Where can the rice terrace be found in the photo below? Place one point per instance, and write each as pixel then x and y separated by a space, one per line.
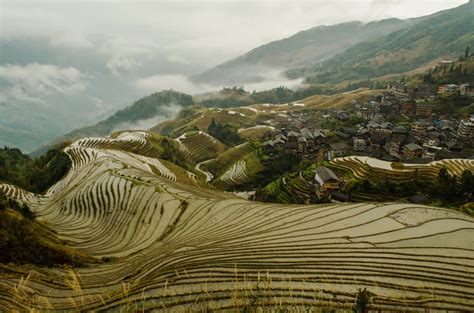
pixel 237 156
pixel 167 246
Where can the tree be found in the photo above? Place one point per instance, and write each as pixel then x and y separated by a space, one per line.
pixel 467 52
pixel 362 301
pixel 224 133
pixel 443 175
pixel 212 125
pixel 35 175
pixel 447 185
pixel 467 184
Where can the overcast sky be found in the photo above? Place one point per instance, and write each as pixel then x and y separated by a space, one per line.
pixel 69 63
pixel 198 33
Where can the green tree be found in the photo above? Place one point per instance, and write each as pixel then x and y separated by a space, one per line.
pixel 35 175
pixel 447 185
pixel 224 133
pixel 362 301
pixel 467 184
pixel 467 52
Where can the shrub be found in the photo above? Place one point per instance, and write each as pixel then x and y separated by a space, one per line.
pixel 362 301
pixel 24 241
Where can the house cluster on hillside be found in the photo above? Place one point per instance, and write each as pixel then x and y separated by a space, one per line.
pixel 425 137
pixel 303 141
pixel 453 89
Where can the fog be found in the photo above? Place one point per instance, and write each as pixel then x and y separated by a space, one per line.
pixel 70 63
pixel 184 37
pixel 159 43
pixel 169 112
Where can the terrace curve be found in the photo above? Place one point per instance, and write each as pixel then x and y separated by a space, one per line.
pixel 177 247
pixel 365 167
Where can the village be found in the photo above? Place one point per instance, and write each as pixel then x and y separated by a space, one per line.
pixel 394 126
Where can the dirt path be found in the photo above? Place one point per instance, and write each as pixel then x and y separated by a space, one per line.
pixel 209 176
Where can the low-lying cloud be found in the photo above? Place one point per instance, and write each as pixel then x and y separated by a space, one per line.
pixel 167 112
pixel 267 80
pixel 83 60
pixel 161 82
pixel 127 54
pixel 32 82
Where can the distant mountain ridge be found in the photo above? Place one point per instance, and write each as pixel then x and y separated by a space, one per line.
pixel 303 48
pixel 444 34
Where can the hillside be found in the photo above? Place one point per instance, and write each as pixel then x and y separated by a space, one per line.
pixel 24 240
pixel 165 105
pixel 141 114
pixel 167 246
pixel 304 48
pixel 257 115
pixel 200 146
pixel 443 35
pixel 353 192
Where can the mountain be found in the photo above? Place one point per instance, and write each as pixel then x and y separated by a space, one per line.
pixel 304 48
pixel 445 34
pixel 142 114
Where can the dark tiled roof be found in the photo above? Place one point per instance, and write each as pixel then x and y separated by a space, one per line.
pixel 278 141
pixel 339 146
pixel 306 133
pixel 326 174
pixel 412 147
pixel 400 129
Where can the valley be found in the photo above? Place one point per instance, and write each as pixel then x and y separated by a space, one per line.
pixel 161 219
pixel 346 185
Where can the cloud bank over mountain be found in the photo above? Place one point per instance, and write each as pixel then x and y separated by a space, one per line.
pixel 77 62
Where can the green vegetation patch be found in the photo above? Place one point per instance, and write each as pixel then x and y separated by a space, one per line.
pixel 169 150
pixel 35 175
pixel 225 133
pixel 25 241
pixel 191 133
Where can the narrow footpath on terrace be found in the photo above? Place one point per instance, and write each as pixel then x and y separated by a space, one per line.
pixel 209 176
